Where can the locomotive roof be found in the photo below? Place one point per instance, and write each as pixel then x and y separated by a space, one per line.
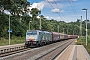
pixel 36 30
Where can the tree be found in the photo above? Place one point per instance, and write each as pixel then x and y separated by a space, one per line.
pixel 15 7
pixel 34 12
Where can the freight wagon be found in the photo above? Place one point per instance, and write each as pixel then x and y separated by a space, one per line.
pixel 55 36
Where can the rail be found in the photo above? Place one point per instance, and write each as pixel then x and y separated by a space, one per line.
pixel 11 48
pixel 53 50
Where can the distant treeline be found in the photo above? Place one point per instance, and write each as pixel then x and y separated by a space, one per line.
pixel 19 25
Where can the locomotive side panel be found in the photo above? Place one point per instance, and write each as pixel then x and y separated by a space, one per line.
pixel 38 37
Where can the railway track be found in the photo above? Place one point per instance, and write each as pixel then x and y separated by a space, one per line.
pixel 51 55
pixel 14 52
pixel 47 52
pixel 12 49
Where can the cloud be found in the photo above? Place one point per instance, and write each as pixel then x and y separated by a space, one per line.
pixel 39 5
pixel 45 3
pixel 62 11
pixel 53 1
pixel 57 1
pixel 50 0
pixel 42 4
pixel 48 17
pixel 58 18
pixel 66 19
pixel 38 17
pixel 57 10
pixel 55 18
pixel 7 12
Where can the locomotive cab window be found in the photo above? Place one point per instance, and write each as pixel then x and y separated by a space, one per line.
pixel 32 33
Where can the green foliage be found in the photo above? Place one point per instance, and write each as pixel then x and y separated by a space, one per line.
pixel 3 41
pixel 19 27
pixel 13 40
pixel 15 7
pixel 3 25
pixel 82 41
pixel 34 12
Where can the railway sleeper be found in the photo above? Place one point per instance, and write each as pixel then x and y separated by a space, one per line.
pixel 6 50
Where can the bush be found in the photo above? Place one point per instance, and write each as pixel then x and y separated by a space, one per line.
pixel 13 40
pixel 82 41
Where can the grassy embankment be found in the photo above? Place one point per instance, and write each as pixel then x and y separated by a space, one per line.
pixel 82 41
pixel 13 40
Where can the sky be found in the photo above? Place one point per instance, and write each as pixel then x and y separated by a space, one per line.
pixel 62 10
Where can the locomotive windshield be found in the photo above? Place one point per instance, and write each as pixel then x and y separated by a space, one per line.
pixel 32 33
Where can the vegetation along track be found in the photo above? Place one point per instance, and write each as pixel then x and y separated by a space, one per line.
pixel 51 55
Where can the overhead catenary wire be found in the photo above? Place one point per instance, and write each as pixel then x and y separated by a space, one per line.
pixel 70 2
pixel 72 6
pixel 55 10
pixel 58 7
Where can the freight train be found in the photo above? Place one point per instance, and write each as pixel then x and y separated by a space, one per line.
pixel 38 37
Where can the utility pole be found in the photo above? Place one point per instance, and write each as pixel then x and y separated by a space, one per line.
pixel 86 24
pixel 67 31
pixel 81 26
pixel 29 24
pixel 9 29
pixel 58 28
pixel 73 32
pixel 40 22
pixel 63 30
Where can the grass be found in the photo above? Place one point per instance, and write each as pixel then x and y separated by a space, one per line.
pixel 82 41
pixel 13 40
